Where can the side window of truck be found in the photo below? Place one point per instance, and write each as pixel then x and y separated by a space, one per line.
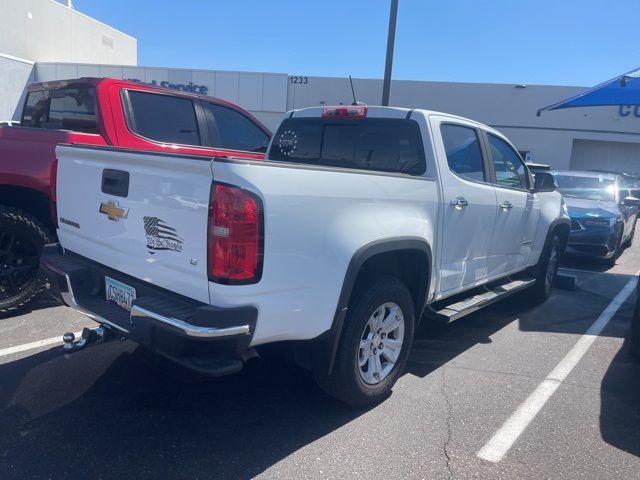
pixel 235 131
pixel 464 154
pixel 510 171
pixel 61 109
pixel 163 118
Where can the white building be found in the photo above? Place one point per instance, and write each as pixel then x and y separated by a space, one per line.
pixel 602 137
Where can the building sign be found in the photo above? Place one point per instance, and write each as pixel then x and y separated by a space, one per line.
pixel 629 110
pixel 190 87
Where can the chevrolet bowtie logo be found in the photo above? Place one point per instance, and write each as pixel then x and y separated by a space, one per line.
pixel 113 211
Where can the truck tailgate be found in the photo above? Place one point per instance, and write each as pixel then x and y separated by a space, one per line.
pixel 143 214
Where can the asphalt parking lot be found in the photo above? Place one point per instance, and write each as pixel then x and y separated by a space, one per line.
pixel 513 392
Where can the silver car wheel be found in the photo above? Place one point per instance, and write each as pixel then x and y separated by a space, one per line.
pixel 381 343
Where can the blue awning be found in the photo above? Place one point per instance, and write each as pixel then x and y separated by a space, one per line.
pixel 621 90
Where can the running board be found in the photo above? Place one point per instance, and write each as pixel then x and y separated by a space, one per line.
pixel 481 298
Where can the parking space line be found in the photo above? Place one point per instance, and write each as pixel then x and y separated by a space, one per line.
pixel 502 441
pixel 30 346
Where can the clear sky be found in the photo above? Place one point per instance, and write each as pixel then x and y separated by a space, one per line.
pixel 561 42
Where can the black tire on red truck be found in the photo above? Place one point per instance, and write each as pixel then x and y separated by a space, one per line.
pixel 22 237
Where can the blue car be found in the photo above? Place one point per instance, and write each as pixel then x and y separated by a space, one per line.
pixel 602 210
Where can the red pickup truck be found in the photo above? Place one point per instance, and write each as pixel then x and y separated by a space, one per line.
pixel 97 111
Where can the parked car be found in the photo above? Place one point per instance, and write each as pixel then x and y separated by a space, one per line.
pixel 630 180
pixel 358 222
pixel 96 111
pixel 603 213
pixel 9 123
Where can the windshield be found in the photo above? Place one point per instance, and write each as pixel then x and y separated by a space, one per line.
pixel 589 188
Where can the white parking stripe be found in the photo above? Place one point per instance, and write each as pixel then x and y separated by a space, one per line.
pixel 498 446
pixel 30 346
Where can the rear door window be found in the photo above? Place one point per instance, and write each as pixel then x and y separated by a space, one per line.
pixel 234 131
pixel 464 154
pixel 61 109
pixel 377 144
pixel 163 118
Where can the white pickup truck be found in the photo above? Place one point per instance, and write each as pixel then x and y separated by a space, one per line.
pixel 359 222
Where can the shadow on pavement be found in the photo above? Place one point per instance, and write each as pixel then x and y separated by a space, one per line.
pixel 113 411
pixel 620 404
pixel 41 302
pixel 620 391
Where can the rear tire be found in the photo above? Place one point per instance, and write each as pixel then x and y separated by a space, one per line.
pixel 22 237
pixel 365 369
pixel 546 270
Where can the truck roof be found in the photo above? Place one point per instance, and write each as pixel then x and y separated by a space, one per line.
pixel 95 81
pixel 376 111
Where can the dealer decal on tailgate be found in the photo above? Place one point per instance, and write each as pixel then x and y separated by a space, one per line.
pixel 161 236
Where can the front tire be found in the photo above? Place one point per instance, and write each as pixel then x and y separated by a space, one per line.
pixel 633 234
pixel 374 345
pixel 22 237
pixel 611 262
pixel 547 270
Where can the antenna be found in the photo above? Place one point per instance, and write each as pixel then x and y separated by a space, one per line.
pixel 353 92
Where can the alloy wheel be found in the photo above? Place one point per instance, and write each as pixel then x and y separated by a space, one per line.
pixel 381 343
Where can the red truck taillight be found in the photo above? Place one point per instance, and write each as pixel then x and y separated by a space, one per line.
pixel 235 242
pixel 345 111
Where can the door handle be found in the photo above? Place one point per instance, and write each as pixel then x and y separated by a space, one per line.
pixel 459 202
pixel 115 182
pixel 506 205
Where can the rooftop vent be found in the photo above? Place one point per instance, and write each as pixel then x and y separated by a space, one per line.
pixel 107 41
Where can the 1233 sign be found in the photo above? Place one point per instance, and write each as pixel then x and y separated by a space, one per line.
pixel 299 80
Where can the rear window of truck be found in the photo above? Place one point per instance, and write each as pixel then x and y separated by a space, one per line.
pixel 377 144
pixel 61 109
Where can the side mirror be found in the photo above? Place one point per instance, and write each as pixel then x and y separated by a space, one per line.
pixel 544 182
pixel 631 202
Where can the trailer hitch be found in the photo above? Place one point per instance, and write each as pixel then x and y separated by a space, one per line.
pixel 89 336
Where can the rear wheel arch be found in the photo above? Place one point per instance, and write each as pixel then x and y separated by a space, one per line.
pixel 562 231
pixel 30 201
pixel 408 259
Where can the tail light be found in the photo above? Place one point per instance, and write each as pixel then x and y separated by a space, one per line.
pixel 235 243
pixel 53 195
pixel 344 111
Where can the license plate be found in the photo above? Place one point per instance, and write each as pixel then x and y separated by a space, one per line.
pixel 119 293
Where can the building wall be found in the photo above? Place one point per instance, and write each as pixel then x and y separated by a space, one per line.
pixel 262 94
pixel 594 155
pixel 15 73
pixel 549 139
pixel 45 31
